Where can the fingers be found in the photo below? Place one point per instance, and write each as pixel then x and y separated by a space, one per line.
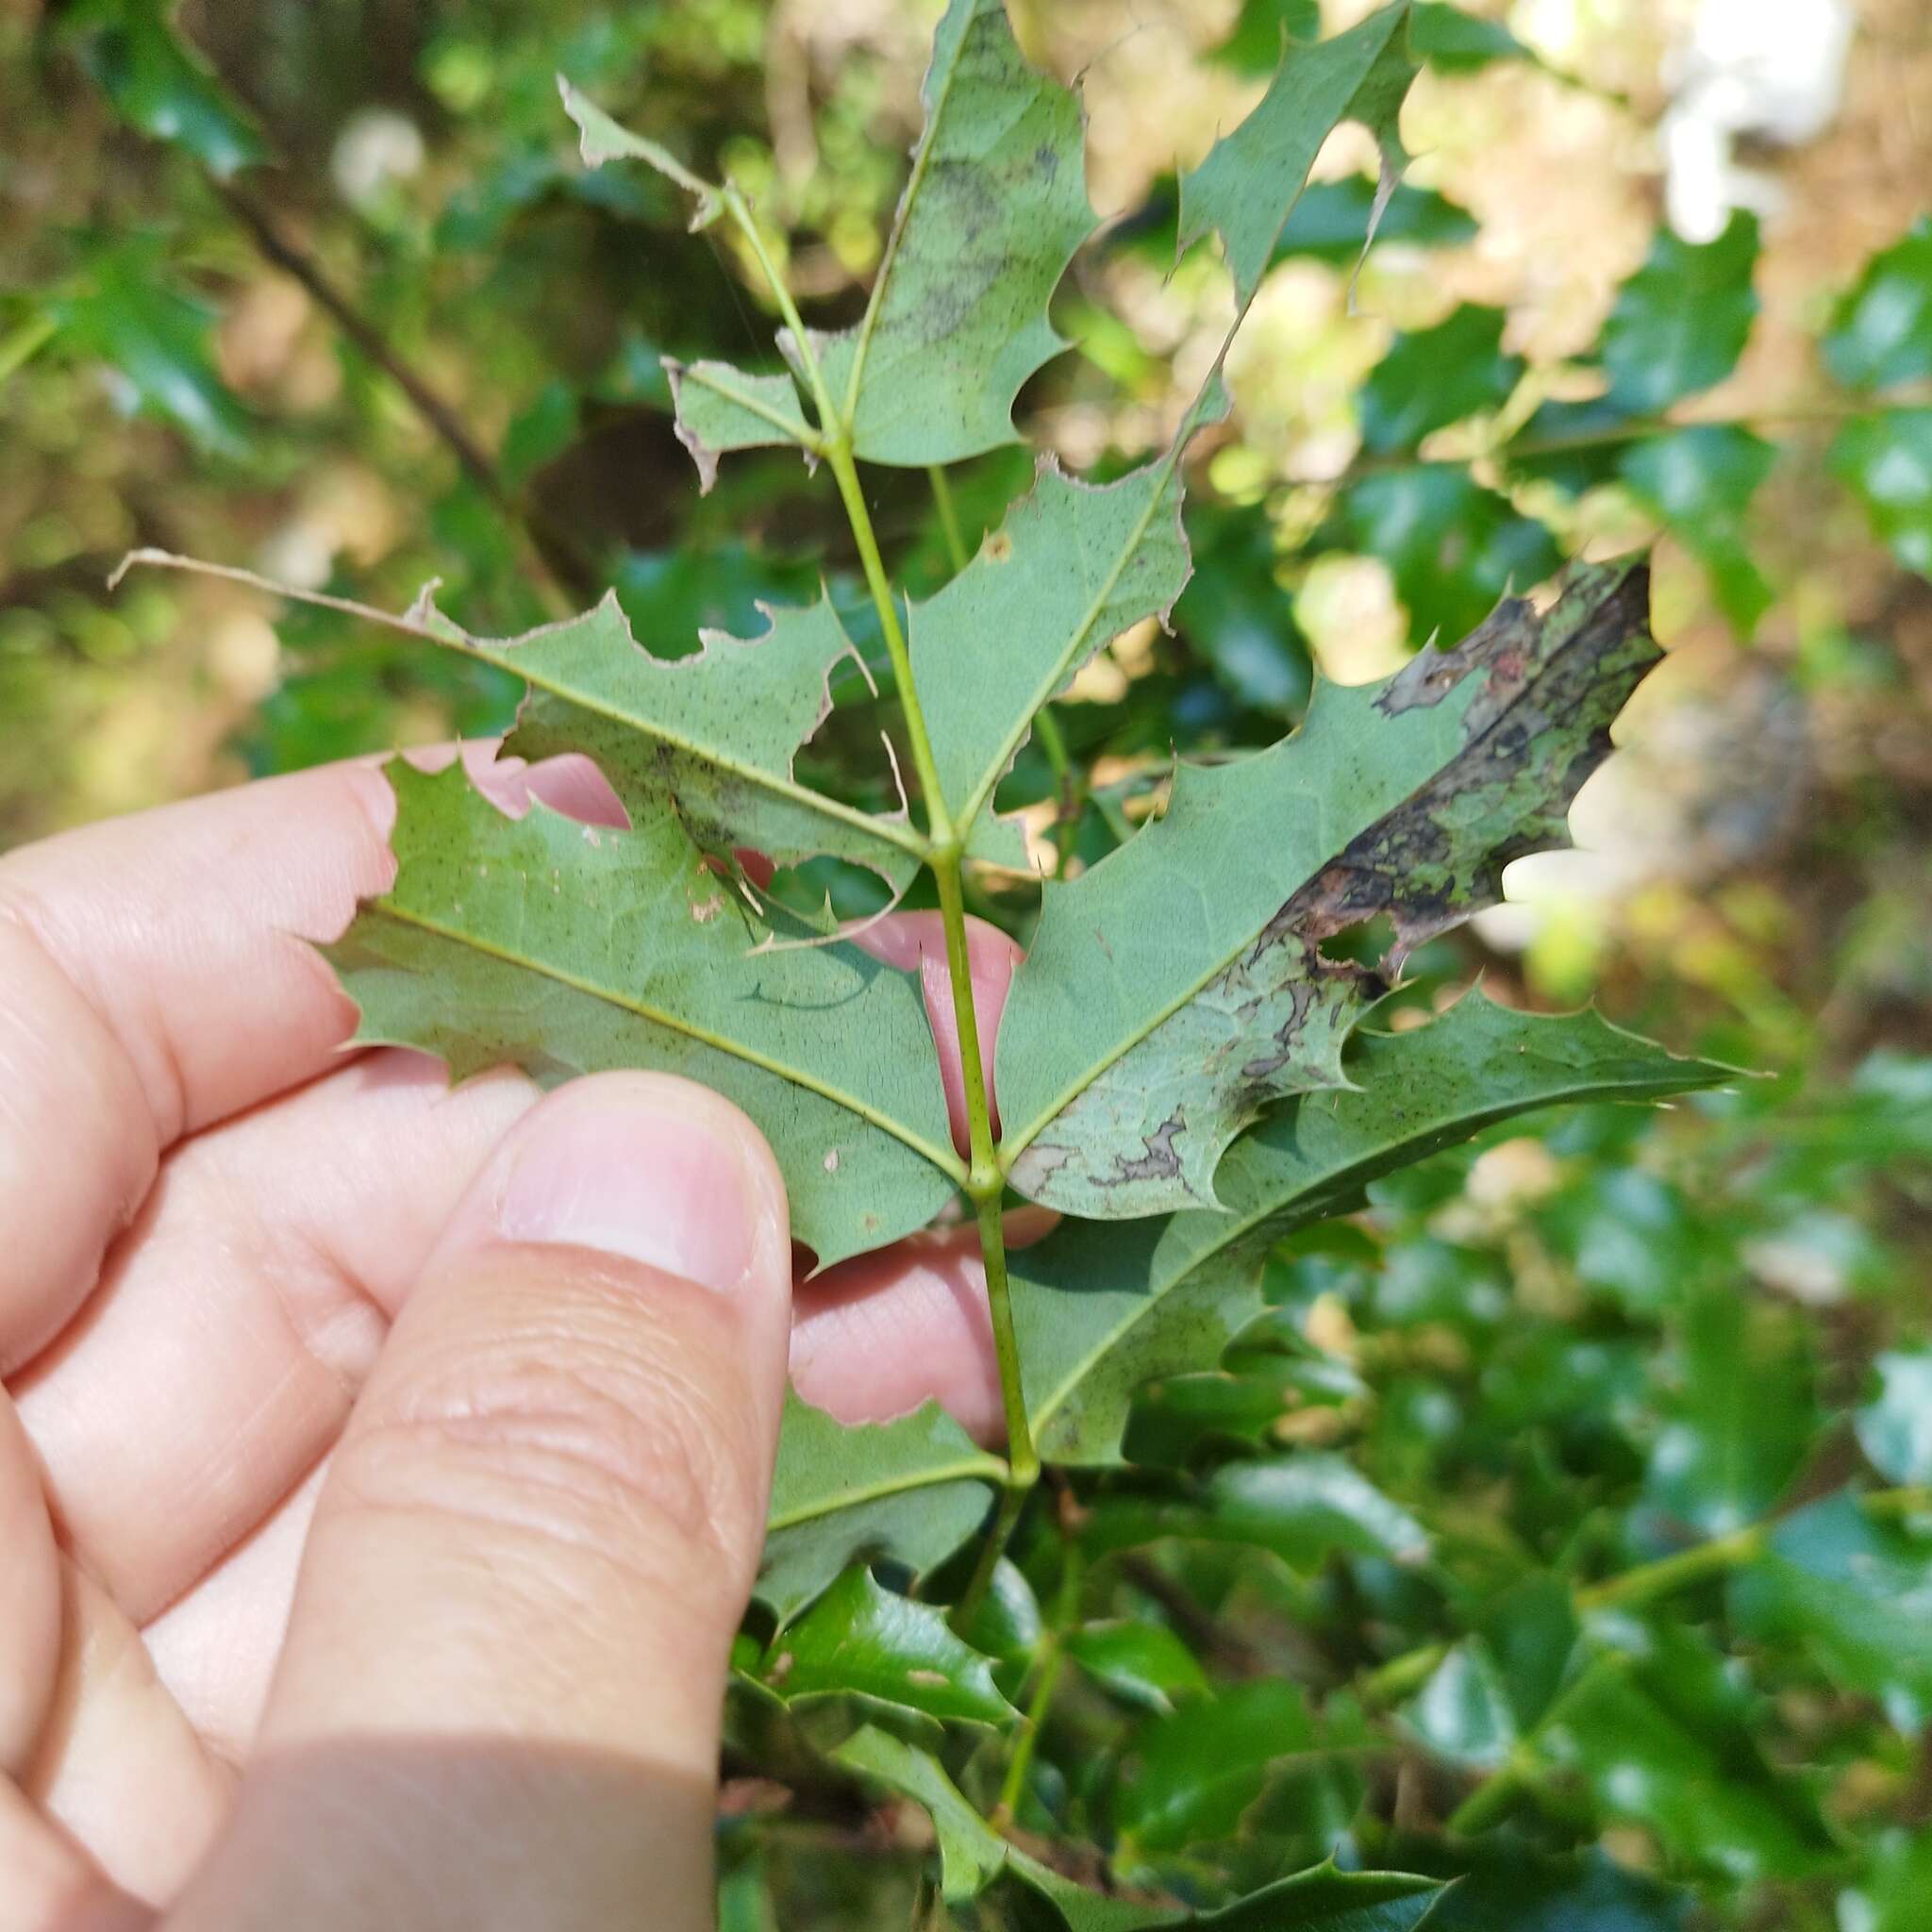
pixel 118 1769
pixel 916 943
pixel 29 1597
pixel 47 1883
pixel 534 1544
pixel 878 1335
pixel 232 1329
pixel 157 980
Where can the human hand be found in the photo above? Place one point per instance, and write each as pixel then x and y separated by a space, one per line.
pixel 382 1468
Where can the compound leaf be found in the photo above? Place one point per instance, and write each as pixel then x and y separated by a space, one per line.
pixel 1179 985
pixel 1103 1309
pixel 996 206
pixel 565 949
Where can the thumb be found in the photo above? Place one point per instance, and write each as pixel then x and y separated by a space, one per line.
pixel 499 1700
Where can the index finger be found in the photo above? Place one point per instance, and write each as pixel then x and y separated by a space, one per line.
pixel 157 981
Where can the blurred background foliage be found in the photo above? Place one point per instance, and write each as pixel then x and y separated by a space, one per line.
pixel 1523 1538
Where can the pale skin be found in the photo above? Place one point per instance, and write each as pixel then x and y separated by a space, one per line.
pixel 382 1467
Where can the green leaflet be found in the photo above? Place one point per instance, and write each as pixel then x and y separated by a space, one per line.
pixel 1701 479
pixel 913 1490
pixel 1886 459
pixel 714 734
pixel 1882 332
pixel 1179 986
pixel 994 209
pixel 1434 377
pixel 161 85
pixel 1248 186
pixel 1103 1309
pixel 1071 567
pixel 864 1640
pixel 1680 322
pixel 564 950
pixel 1853 1592
pixel 719 408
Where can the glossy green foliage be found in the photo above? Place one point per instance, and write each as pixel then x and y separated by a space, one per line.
pixel 1882 333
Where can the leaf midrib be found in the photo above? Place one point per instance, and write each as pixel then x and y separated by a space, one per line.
pixel 980 1467
pixel 1238 1225
pixel 915 181
pixel 1044 687
pixel 885 830
pixel 946 1161
pixel 1012 1145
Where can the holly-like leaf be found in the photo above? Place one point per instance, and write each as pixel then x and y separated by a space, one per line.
pixel 720 408
pixel 1882 332
pixel 567 949
pixel 1452 547
pixel 1887 461
pixel 154 339
pixel 1179 985
pixel 1070 568
pixel 710 736
pixel 973 1856
pixel 1683 1777
pixel 1190 1776
pixel 1855 1594
pixel 1299 1507
pixel 157 83
pixel 996 206
pixel 1742 1415
pixel 1680 322
pixel 1895 1427
pixel 1438 375
pixel 1701 481
pixel 1246 188
pixel 911 1491
pixel 1104 1310
pixel 861 1639
pixel 1455 42
pixel 1139 1662
pixel 972 1853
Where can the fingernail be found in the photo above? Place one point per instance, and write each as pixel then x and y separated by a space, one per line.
pixel 634 1174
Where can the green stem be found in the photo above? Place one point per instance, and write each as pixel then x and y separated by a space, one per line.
pixel 1492 1799
pixel 944 854
pixel 1013 1787
pixel 1635 429
pixel 949 517
pixel 1012 1500
pixel 24 343
pixel 1391 1682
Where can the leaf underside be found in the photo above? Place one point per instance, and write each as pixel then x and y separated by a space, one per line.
pixel 1179 988
pixel 994 209
pixel 567 949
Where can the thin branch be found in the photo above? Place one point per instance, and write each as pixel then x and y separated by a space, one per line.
pixel 557 548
